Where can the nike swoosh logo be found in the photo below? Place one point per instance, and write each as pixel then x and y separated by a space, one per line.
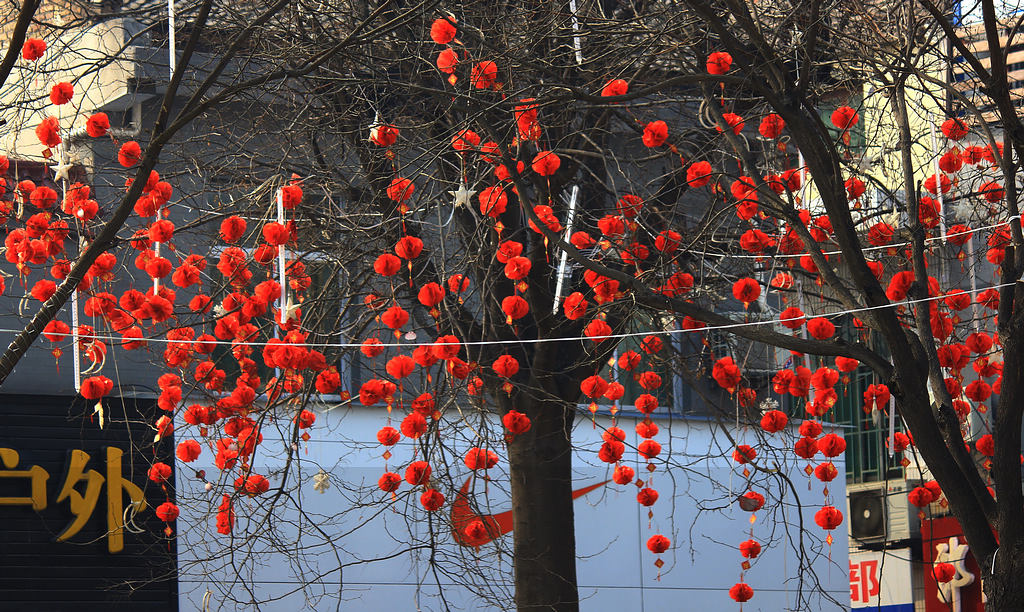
pixel 496 525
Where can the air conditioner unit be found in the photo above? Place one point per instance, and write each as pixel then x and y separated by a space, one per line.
pixel 880 514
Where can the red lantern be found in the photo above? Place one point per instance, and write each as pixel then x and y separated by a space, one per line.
pixel 828 518
pixel 658 544
pixel 719 63
pixel 33 49
pixel 771 126
pixel 615 87
pixel 826 472
pixel 517 268
pixel 387 265
pixel 900 442
pixel 741 592
pixel 409 247
pixel 750 549
pixel 846 364
pixel 442 31
pixel 594 386
pixel 95 387
pixel 430 295
pixel 649 449
pixel 388 436
pixel 646 403
pixel 733 121
pixel 726 373
pixel 188 451
pixel 623 474
pixel 516 422
pixel 655 134
pixel 480 459
pixel 774 421
pixel 432 500
pixel 505 366
pixel 383 135
pixel 446 347
pixel 649 380
pixel 389 482
pixel 575 306
pixel 824 378
pixel 831 445
pixel 821 328
pixel 806 447
pixel 414 425
pixel 400 366
pixel 167 512
pixel 646 429
pixel 744 453
pixel 746 290
pixel 447 60
pixel 954 128
pixel 845 118
pixel 417 473
pixel 986 445
pixel 493 201
pixel 751 501
pixel 978 391
pixel 792 317
pixel 943 572
pixel 647 497
pixel 992 191
pixel 597 330
pixel 979 342
pixel 698 174
pixel 514 307
pixel 854 188
pixel 395 317
pixel 484 74
pixel 159 472
pixel 400 189
pixel 546 163
pixel 920 497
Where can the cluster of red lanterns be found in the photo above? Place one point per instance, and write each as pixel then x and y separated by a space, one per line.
pixel 616 236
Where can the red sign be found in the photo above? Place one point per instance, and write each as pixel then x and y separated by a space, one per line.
pixel 942 540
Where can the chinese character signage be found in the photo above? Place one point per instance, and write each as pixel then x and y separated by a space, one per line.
pixel 77 529
pixel 947 554
pixel 881 580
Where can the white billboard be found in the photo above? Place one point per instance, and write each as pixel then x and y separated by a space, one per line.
pixel 881 580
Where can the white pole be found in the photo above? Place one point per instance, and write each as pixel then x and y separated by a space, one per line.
pixel 172 62
pixel 281 276
pixel 938 183
pixel 576 33
pixel 563 260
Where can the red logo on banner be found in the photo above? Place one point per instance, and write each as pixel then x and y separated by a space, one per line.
pixel 863 581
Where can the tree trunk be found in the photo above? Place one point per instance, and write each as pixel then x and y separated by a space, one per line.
pixel 1004 589
pixel 540 464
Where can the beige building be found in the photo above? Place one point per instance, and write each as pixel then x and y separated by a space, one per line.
pixel 976 40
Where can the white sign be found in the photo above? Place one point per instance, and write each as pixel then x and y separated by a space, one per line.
pixel 880 580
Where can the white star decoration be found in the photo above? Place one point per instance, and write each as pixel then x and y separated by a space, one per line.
pixel 463 195
pixel 321 481
pixel 61 170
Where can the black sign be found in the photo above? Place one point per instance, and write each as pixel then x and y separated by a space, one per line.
pixel 77 527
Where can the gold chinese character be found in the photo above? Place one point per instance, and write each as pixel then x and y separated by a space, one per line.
pixel 38 475
pixel 83 505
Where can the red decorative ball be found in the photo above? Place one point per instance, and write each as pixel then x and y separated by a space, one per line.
pixel 658 544
pixel 741 592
